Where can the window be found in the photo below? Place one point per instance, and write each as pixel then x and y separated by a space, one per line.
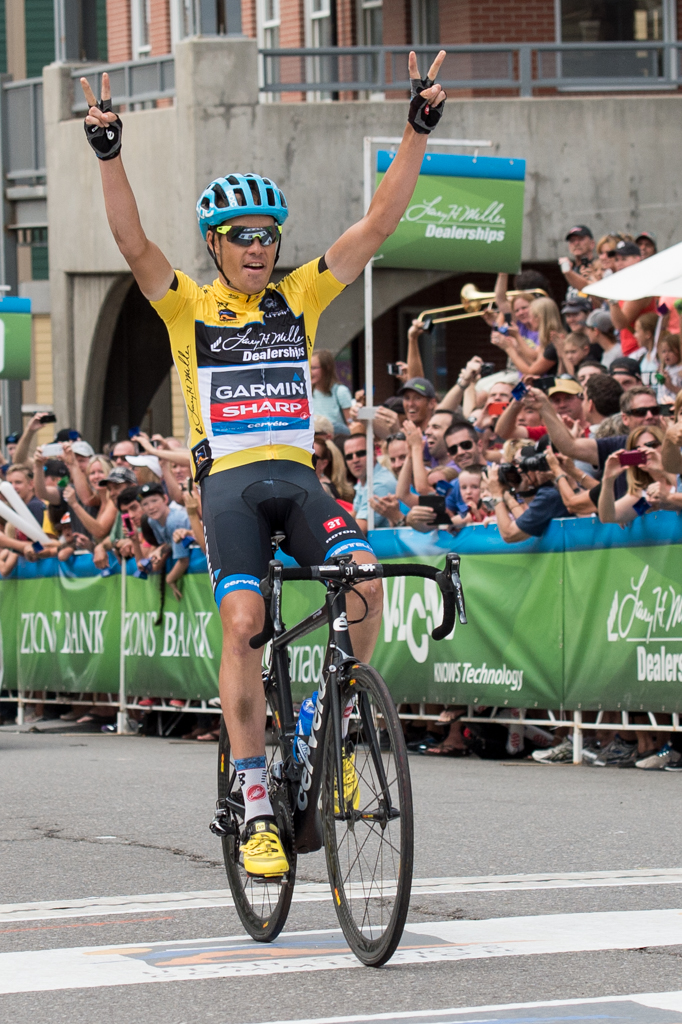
pixel 140 18
pixel 425 26
pixel 267 28
pixel 592 21
pixel 320 30
pixel 182 20
pixel 371 22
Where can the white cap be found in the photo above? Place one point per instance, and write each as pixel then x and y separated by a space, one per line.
pixel 82 448
pixel 150 461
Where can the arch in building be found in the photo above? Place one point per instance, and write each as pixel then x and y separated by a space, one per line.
pixel 128 380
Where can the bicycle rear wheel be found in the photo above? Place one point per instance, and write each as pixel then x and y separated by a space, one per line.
pixel 370 853
pixel 263 907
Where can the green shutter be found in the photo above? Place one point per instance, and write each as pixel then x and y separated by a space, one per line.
pixel 102 44
pixel 39 16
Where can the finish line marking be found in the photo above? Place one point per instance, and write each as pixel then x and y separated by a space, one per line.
pixel 318 892
pixel 295 952
pixel 634 1009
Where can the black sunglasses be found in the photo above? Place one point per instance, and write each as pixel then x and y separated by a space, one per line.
pixel 241 234
pixel 466 446
pixel 355 455
pixel 399 436
pixel 642 411
pixel 651 444
pixel 610 253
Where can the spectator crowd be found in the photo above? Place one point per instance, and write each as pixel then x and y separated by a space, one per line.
pixel 586 420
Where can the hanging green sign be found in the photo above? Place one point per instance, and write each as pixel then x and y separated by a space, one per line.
pixel 466 213
pixel 15 338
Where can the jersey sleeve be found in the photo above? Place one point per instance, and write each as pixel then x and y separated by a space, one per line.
pixel 312 286
pixel 183 291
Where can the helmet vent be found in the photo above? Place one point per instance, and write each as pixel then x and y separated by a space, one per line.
pixel 254 192
pixel 221 199
pixel 231 180
pixel 282 200
pixel 270 197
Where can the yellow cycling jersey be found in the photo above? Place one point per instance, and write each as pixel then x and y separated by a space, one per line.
pixel 244 365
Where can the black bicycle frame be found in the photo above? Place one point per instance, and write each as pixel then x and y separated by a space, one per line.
pixel 306 778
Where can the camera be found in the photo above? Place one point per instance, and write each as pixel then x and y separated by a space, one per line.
pixel 487 369
pixel 534 463
pixel 509 475
pixel 426 324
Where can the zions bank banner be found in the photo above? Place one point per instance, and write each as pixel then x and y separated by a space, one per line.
pixel 466 213
pixel 585 617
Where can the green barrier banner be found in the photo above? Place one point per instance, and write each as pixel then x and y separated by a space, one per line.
pixel 624 649
pixel 512 601
pixel 466 213
pixel 583 629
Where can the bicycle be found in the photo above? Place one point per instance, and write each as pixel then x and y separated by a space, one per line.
pixel 368 831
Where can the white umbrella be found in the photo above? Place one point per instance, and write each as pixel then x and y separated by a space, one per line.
pixel 658 275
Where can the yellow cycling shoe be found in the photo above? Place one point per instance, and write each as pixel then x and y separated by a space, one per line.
pixel 262 851
pixel 351 785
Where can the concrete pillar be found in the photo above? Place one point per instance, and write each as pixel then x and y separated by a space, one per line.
pixel 58 95
pixel 216 82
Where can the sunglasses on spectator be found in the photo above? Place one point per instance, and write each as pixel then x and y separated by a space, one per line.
pixel 651 444
pixel 609 252
pixel 643 410
pixel 400 436
pixel 355 455
pixel 240 234
pixel 466 446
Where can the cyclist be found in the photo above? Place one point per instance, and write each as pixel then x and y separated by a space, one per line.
pixel 242 348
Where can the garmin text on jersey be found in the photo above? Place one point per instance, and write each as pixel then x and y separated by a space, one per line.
pixel 263 398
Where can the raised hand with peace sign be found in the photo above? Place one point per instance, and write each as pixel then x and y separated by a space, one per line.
pixel 103 128
pixel 427 99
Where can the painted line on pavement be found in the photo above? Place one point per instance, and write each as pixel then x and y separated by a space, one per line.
pixel 633 1009
pixel 294 952
pixel 314 892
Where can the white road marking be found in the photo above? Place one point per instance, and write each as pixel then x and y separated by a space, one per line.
pixel 154 962
pixel 314 892
pixel 654 1000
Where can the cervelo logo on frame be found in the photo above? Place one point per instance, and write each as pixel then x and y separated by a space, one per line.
pixel 334 524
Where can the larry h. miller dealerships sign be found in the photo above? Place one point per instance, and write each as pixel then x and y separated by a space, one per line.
pixel 466 213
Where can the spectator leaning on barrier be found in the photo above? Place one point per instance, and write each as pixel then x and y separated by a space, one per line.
pixel 164 521
pixel 356 454
pixel 638 407
pixel 649 487
pixel 436 451
pixel 545 505
pixel 397 451
pixel 21 479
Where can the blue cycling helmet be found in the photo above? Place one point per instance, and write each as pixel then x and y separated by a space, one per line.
pixel 239 194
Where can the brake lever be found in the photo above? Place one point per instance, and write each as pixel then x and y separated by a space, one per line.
pixel 452 563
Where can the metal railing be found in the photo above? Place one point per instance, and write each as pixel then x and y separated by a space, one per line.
pixel 521 67
pixel 133 81
pixel 23 129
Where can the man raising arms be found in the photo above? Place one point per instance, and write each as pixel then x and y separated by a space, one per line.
pixel 242 348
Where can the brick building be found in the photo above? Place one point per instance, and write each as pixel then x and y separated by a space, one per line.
pixel 137 28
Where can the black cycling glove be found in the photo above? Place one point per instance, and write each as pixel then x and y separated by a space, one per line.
pixel 422 116
pixel 106 142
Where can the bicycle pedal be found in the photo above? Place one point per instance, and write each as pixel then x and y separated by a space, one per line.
pixel 264 879
pixel 221 825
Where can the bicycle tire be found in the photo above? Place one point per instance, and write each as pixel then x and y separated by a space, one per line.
pixel 371 911
pixel 263 907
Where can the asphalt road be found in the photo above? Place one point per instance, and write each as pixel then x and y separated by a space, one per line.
pixel 90 815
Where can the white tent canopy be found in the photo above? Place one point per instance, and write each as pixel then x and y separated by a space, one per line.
pixel 658 275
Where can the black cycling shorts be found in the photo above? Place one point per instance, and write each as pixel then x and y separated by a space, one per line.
pixel 244 507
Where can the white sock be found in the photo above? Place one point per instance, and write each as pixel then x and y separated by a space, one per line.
pixel 253 779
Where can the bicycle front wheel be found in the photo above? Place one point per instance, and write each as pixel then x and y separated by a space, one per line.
pixel 369 836
pixel 262 905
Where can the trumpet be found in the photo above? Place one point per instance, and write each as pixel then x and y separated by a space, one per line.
pixel 472 302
